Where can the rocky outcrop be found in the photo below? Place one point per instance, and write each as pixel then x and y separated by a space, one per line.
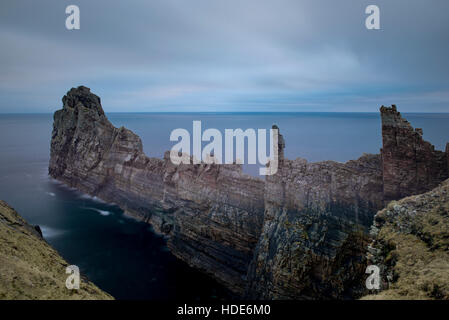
pixel 30 268
pixel 315 229
pixel 300 234
pixel 213 214
pixel 411 247
pixel 447 155
pixel 410 164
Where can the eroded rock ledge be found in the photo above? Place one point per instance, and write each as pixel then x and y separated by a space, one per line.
pixel 301 233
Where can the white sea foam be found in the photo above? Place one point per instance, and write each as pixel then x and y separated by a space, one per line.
pixel 48 232
pixel 102 212
pixel 51 194
pixel 62 185
pixel 86 196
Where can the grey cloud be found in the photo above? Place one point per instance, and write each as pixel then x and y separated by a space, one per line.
pixel 233 55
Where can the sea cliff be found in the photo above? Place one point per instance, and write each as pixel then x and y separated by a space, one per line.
pixel 213 214
pixel 299 234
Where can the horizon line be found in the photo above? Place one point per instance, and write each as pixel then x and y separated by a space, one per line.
pixel 224 112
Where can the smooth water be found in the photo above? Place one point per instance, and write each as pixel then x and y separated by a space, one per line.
pixel 123 256
pixel 313 136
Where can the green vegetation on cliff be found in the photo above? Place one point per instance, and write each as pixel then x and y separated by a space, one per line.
pixel 411 246
pixel 30 268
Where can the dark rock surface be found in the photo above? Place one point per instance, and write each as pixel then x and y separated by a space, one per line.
pixel 315 229
pixel 212 213
pixel 300 234
pixel 39 230
pixel 410 164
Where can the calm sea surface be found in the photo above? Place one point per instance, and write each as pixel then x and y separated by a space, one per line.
pixel 123 256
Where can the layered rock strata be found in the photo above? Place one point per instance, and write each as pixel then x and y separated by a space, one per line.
pixel 212 213
pixel 299 234
pixel 315 229
pixel 411 165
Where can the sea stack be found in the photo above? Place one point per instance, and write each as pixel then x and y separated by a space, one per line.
pixel 301 233
pixel 411 165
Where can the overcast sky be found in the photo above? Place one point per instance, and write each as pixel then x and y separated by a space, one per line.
pixel 226 55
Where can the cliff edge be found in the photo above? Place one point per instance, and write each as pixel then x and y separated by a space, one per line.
pixel 411 246
pixel 30 268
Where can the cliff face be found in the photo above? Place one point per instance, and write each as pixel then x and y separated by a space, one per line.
pixel 317 215
pixel 217 217
pixel 314 234
pixel 212 213
pixel 410 164
pixel 411 246
pixel 300 234
pixel 30 268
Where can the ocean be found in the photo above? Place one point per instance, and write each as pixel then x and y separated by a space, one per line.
pixel 125 257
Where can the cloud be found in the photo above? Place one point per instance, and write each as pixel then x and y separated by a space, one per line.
pixel 233 55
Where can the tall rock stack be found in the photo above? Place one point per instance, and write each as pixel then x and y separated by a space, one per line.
pixel 212 213
pixel 281 145
pixel 447 155
pixel 411 165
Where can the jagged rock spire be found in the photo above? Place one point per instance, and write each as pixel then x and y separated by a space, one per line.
pixel 82 96
pixel 411 165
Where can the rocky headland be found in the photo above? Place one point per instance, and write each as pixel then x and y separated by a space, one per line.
pixel 411 246
pixel 299 234
pixel 411 165
pixel 30 269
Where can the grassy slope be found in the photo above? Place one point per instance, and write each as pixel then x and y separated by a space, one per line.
pixel 414 240
pixel 32 269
